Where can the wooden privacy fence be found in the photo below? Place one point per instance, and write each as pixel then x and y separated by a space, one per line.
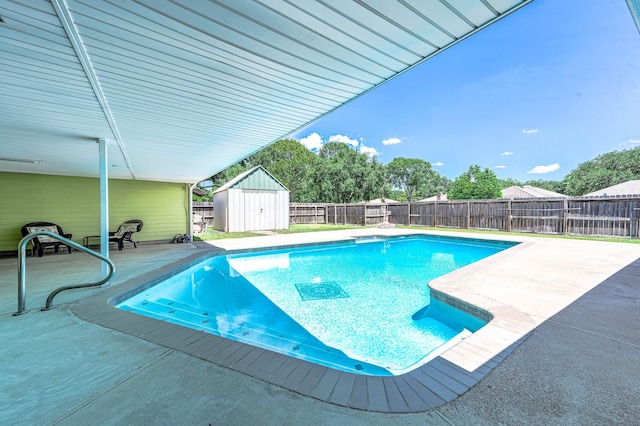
pixel 588 216
pixel 204 209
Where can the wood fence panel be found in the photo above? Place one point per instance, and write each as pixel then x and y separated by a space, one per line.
pixel 538 216
pixel 304 213
pixel 596 216
pixel 493 215
pixel 205 210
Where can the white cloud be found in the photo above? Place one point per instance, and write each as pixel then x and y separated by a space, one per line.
pixel 391 141
pixel 370 151
pixel 312 142
pixel 544 169
pixel 529 131
pixel 507 153
pixel 631 143
pixel 500 167
pixel 343 139
pixel 437 164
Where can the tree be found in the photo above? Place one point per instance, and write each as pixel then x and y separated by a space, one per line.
pixel 291 163
pixel 505 183
pixel 475 184
pixel 343 175
pixel 414 176
pixel 229 173
pixel 605 170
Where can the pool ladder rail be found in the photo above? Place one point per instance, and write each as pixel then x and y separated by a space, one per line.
pixel 22 248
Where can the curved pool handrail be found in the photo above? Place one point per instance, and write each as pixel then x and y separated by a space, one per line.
pixel 22 267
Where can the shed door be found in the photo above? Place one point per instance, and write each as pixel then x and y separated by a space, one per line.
pixel 259 210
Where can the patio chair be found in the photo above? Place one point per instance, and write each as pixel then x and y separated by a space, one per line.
pixel 125 233
pixel 44 241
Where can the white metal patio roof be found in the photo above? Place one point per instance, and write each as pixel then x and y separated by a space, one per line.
pixel 182 89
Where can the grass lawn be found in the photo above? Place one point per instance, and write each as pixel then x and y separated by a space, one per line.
pixel 298 228
pixel 293 229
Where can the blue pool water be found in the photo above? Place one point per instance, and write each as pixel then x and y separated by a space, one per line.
pixel 361 306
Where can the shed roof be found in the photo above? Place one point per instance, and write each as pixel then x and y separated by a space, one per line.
pixel 256 178
pixel 631 187
pixel 529 191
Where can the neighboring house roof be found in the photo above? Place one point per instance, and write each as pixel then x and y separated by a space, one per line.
pixel 528 191
pixel 379 201
pixel 439 197
pixel 256 178
pixel 631 187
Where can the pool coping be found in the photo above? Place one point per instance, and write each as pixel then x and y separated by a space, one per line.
pixel 435 383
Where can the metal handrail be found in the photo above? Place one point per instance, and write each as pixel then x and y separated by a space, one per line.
pixel 22 269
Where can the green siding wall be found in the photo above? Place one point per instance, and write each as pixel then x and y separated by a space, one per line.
pixel 74 203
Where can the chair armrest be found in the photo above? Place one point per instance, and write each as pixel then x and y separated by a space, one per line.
pixel 67 236
pixel 111 234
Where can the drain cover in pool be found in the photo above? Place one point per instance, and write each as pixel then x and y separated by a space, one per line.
pixel 320 291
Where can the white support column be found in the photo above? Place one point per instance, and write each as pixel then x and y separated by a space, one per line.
pixel 190 213
pixel 104 204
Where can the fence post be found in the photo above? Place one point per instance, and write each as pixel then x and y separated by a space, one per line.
pixel 435 215
pixel 565 216
pixel 509 217
pixel 468 214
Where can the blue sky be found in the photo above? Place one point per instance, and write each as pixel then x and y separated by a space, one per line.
pixel 551 86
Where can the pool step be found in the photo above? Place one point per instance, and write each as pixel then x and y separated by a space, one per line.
pixel 254 334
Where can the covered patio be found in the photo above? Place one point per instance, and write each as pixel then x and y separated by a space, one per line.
pixel 108 106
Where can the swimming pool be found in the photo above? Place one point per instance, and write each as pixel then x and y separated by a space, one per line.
pixel 361 306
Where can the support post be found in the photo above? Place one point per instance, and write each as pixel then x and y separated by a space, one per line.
pixel 190 212
pixel 104 205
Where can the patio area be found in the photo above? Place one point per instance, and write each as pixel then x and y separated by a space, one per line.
pixel 576 300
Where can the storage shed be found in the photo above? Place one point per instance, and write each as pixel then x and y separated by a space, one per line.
pixel 252 201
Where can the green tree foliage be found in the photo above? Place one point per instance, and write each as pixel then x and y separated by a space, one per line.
pixel 475 184
pixel 505 183
pixel 343 175
pixel 229 173
pixel 416 178
pixel 292 164
pixel 605 170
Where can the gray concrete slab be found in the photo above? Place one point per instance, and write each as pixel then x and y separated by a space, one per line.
pixel 579 366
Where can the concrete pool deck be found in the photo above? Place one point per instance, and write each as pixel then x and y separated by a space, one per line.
pixel 578 364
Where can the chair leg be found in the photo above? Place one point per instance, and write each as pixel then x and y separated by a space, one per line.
pixel 40 251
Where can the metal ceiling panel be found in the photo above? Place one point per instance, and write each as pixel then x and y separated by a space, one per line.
pixel 182 89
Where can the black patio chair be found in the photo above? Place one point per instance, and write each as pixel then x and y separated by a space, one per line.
pixel 125 233
pixel 44 241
